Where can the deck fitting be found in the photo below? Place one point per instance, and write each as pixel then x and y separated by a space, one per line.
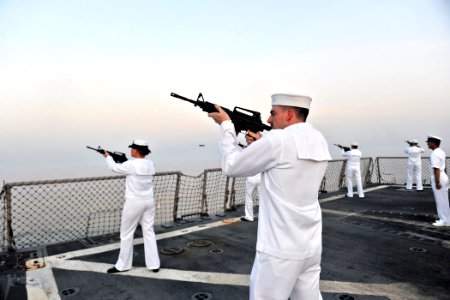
pixel 202 296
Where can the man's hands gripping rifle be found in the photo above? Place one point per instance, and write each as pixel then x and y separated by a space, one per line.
pixel 243 119
pixel 345 148
pixel 118 157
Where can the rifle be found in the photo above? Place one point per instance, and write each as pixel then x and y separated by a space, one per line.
pixel 118 157
pixel 411 143
pixel 343 147
pixel 243 119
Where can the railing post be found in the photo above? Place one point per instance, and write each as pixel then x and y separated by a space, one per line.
pixel 227 194
pixel 8 237
pixel 176 199
pixel 323 185
pixel 378 169
pixel 367 171
pixel 233 194
pixel 204 205
pixel 342 174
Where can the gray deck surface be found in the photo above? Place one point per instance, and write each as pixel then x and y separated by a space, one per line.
pixel 379 247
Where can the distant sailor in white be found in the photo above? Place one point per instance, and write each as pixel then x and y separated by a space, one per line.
pixel 439 180
pixel 353 170
pixel 251 184
pixel 292 159
pixel 414 165
pixel 139 207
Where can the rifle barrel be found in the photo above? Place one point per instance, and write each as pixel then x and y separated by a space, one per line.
pixel 182 98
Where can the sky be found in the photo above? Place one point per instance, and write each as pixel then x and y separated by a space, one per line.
pixel 100 73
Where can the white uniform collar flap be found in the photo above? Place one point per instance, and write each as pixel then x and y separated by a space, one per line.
pixel 310 142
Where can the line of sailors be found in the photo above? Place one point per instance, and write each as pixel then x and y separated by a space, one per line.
pixel 414 172
pixel 292 161
pixel 439 179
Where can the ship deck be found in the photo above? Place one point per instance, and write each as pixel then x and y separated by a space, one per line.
pixel 380 247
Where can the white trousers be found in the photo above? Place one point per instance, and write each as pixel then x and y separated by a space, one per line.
pixel 349 174
pixel 441 198
pixel 414 171
pixel 251 183
pixel 274 278
pixel 137 212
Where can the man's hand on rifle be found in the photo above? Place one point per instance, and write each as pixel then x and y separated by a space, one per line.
pixel 105 153
pixel 250 137
pixel 219 116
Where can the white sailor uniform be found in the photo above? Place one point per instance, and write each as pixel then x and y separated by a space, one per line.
pixel 414 167
pixel 437 160
pixel 251 183
pixel 352 170
pixel 292 162
pixel 139 208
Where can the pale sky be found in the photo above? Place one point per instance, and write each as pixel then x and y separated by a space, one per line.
pixel 87 72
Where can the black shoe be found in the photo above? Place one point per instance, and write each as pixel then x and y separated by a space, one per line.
pixel 114 270
pixel 155 270
pixel 244 219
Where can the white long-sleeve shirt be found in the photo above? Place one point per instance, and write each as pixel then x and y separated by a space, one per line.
pixel 437 160
pixel 292 163
pixel 414 154
pixel 139 177
pixel 353 158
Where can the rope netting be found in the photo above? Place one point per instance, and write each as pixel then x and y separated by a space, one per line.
pixel 393 170
pixel 48 212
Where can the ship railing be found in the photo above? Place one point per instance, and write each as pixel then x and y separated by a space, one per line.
pixel 55 211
